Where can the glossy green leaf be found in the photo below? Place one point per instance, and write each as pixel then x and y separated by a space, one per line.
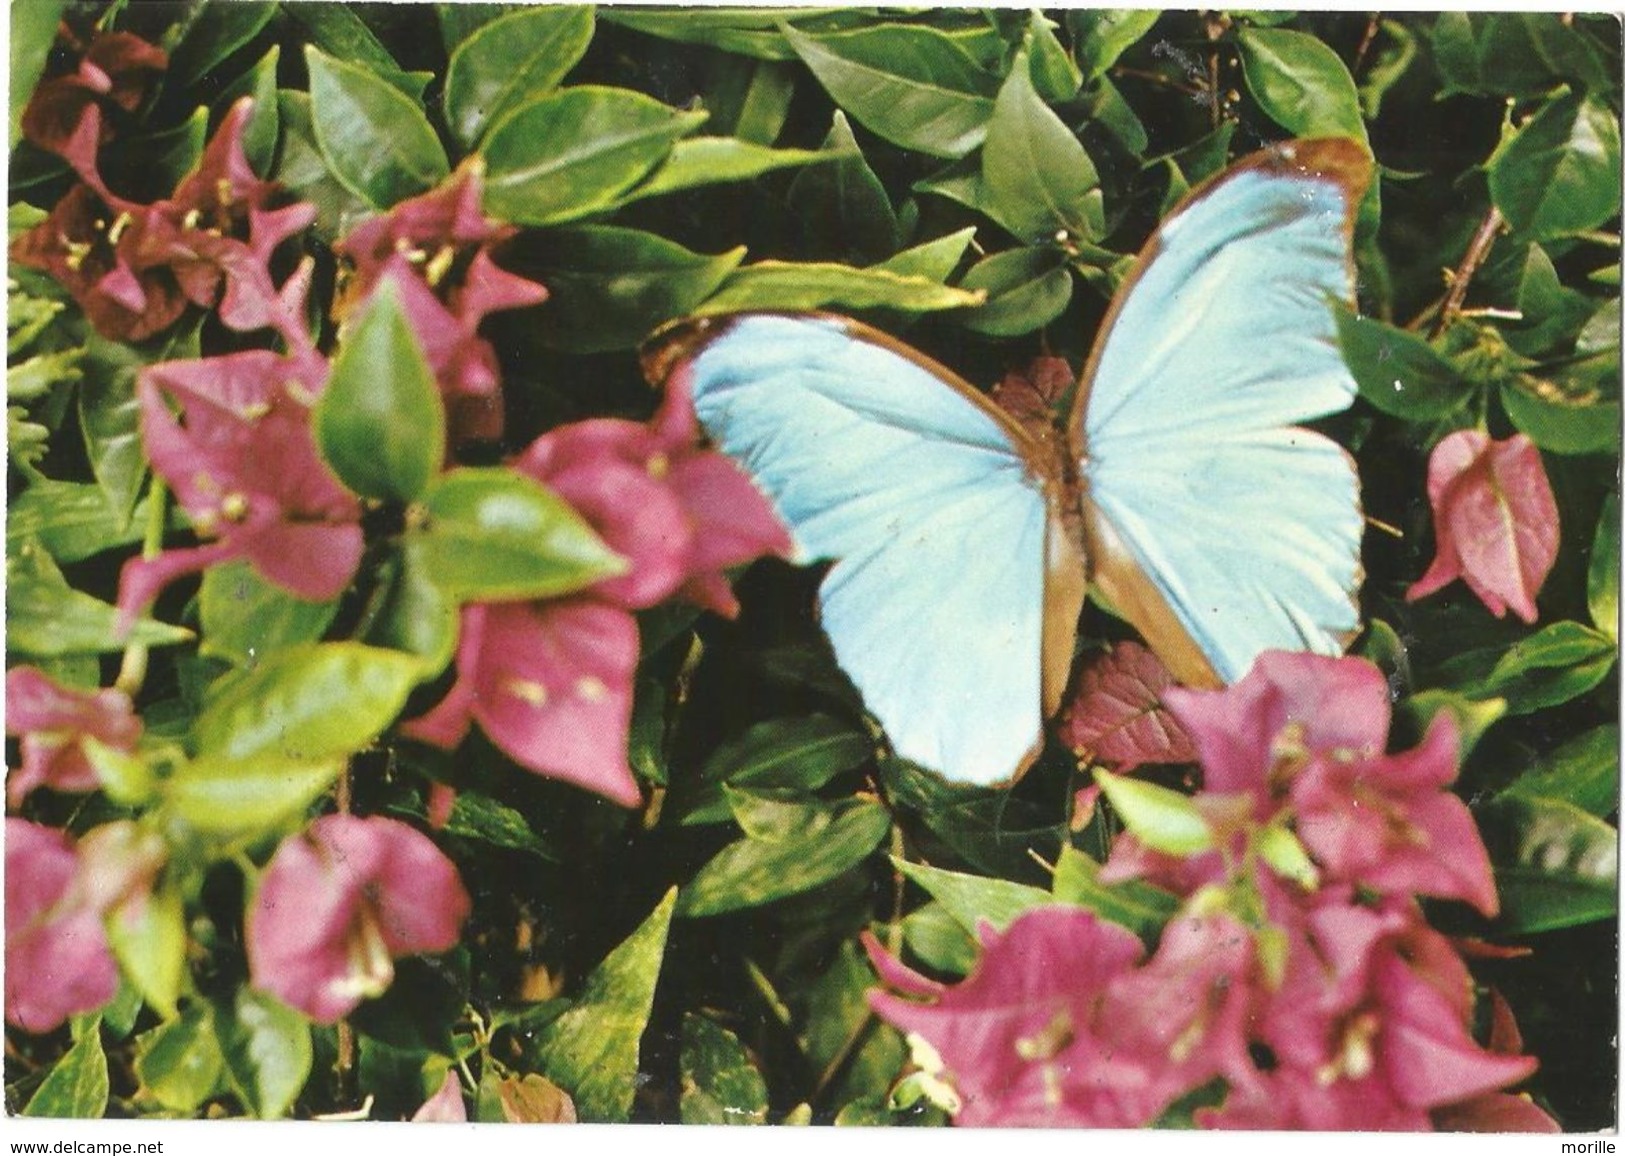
pixel 129 779
pixel 974 899
pixel 827 843
pixel 1300 83
pixel 1555 865
pixel 1140 907
pixel 592 1049
pixel 1552 313
pixel 1106 105
pixel 800 753
pixel 264 126
pixel 1026 290
pixel 47 618
pixel 1036 177
pixel 511 60
pixel 933 936
pixel 1055 75
pixel 179 1063
pixel 33 30
pixel 1102 35
pixel 228 796
pixel 1473 716
pixel 841 204
pixel 911 85
pixel 572 152
pixel 339 30
pixel 610 287
pixel 935 260
pixel 482 818
pixel 303 171
pixel 492 534
pixel 149 941
pixel 380 422
pixel 220 29
pixel 414 615
pixel 1515 54
pixel 267 1052
pixel 306 703
pixel 1163 819
pixel 1602 578
pixel 1559 174
pixel 1559 423
pixel 245 618
pixel 788 285
pixel 1583 772
pixel 1557 663
pixel 749 31
pixel 109 414
pixel 718 160
pixel 71 520
pixel 721 1085
pixel 1398 372
pixel 375 139
pixel 76 1087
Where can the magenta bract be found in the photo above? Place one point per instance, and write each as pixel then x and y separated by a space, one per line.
pixel 52 720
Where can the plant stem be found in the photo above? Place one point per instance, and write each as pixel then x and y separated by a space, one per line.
pixel 1477 250
pixel 132 671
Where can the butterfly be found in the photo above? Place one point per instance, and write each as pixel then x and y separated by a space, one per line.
pixel 963 546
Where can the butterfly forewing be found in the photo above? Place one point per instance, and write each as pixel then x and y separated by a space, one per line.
pixel 932 508
pixel 1219 528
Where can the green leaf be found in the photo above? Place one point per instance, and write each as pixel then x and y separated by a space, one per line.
pixel 1140 907
pixel 912 85
pixel 414 615
pixel 789 286
pixel 77 1086
pixel 1515 54
pixel 42 374
pixel 1473 716
pixel 1396 51
pixel 1398 372
pixel 219 30
pixel 1054 73
pixel 720 1084
pixel 1559 174
pixel 974 899
pixel 510 60
pixel 592 1049
pixel 303 171
pixel 179 1063
pixel 264 126
pixel 572 152
pixel 110 415
pixel 1164 820
pixel 1557 663
pixel 1036 177
pixel 1555 865
pixel 936 938
pixel 480 817
pixel 149 941
pixel 1285 855
pixel 307 703
pixel 1026 290
pixel 1583 772
pixel 227 796
pixel 842 206
pixel 828 842
pixel 1104 34
pixel 338 30
pixel 380 422
pixel 609 287
pixel 375 139
pixel 71 520
pixel 33 31
pixel 1552 312
pixel 245 618
pixel 787 753
pixel 1602 578
pixel 492 534
pixel 935 260
pixel 1300 83
pixel 717 160
pixel 1557 422
pixel 267 1052
pixel 47 618
pixel 749 31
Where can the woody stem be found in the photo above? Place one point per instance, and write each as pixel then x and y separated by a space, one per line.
pixel 1477 250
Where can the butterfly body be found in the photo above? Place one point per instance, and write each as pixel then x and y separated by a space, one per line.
pixel 962 543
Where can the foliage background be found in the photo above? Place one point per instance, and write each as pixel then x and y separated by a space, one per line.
pixel 746 991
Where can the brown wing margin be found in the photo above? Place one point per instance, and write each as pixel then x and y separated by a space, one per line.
pixel 1065 582
pixel 1114 571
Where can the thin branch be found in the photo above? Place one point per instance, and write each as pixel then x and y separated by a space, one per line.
pixel 1477 250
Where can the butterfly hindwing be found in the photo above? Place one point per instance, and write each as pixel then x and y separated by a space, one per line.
pixel 925 501
pixel 1217 526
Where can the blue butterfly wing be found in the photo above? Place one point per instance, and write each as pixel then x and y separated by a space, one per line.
pixel 1212 519
pixel 938 530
